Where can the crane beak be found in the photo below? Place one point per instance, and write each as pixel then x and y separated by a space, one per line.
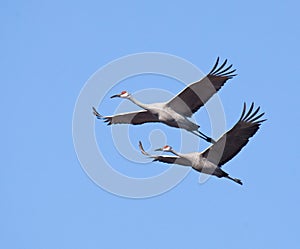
pixel 159 149
pixel 115 96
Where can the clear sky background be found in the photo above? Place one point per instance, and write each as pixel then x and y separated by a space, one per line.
pixel 48 51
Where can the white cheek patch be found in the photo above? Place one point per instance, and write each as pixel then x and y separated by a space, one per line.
pixel 124 94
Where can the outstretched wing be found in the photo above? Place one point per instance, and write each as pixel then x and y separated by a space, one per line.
pixel 165 159
pixel 231 143
pixel 135 118
pixel 194 96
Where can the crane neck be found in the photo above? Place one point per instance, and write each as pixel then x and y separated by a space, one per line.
pixel 177 153
pixel 138 103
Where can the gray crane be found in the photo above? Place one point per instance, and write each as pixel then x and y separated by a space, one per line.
pixel 175 113
pixel 227 146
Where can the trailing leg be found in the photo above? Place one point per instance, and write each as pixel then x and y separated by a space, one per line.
pixel 235 180
pixel 203 136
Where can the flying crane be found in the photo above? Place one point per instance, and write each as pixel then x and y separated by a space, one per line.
pixel 175 113
pixel 226 147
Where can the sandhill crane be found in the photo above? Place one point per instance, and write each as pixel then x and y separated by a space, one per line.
pixel 228 145
pixel 175 113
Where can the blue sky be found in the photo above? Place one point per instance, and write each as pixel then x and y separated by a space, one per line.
pixel 49 49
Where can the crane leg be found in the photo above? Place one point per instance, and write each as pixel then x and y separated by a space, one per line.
pixel 208 139
pixel 203 136
pixel 235 180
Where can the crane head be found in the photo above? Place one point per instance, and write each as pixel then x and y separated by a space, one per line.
pixel 165 148
pixel 123 94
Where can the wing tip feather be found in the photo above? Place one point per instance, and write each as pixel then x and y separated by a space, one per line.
pixel 96 113
pixel 143 150
pixel 217 71
pixel 251 116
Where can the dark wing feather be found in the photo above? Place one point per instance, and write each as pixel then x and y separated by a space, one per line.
pixel 165 159
pixel 194 96
pixel 231 143
pixel 135 118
